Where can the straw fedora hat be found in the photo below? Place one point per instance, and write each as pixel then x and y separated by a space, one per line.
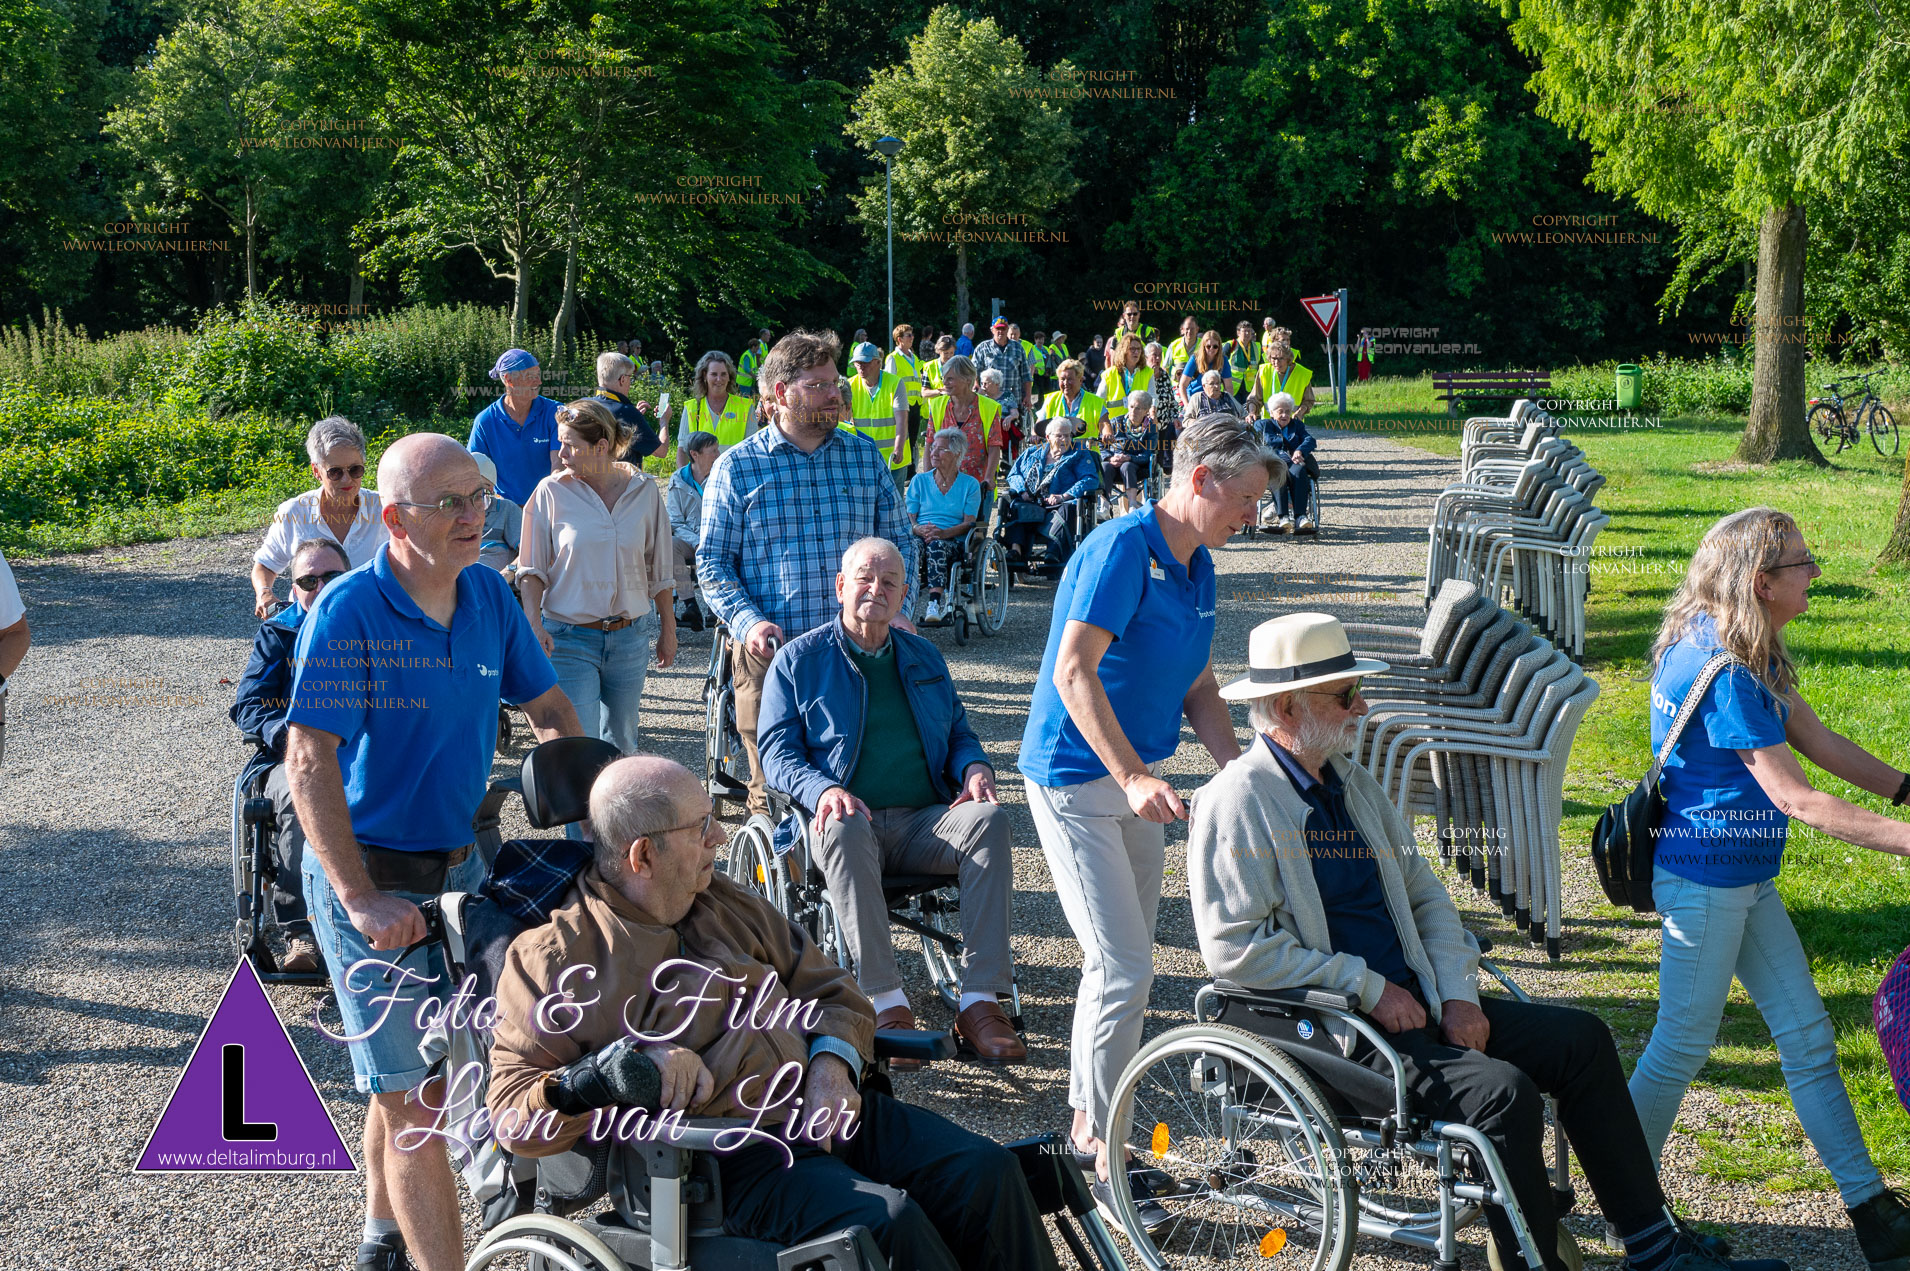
pixel 1297 651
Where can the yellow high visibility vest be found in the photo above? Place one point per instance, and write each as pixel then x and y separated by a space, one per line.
pixel 1036 355
pixel 1057 354
pixel 931 373
pixel 990 412
pixel 1117 384
pixel 1088 408
pixel 873 412
pixel 908 368
pixel 730 427
pixel 1295 382
pixel 1143 332
pixel 1178 353
pixel 1249 371
pixel 747 366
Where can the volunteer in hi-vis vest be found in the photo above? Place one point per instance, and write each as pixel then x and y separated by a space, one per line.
pixel 1183 345
pixel 879 410
pixel 712 407
pixel 1246 357
pixel 979 418
pixel 1284 375
pixel 752 362
pixel 905 366
pixel 1124 375
pixel 1072 400
pixel 1037 360
pixel 1057 351
pixel 1131 324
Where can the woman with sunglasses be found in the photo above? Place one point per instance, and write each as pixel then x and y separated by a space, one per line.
pixel 1731 787
pixel 340 509
pixel 595 568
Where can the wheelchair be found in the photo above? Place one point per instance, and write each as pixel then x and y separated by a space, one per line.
pixel 725 762
pixel 1311 510
pixel 1083 514
pixel 654 1204
pixel 929 905
pixel 255 828
pixel 1277 1140
pixel 976 589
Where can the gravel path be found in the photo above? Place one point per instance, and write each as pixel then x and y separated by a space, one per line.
pixel 115 870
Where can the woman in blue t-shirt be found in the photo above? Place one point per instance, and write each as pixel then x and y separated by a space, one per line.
pixel 944 503
pixel 1728 786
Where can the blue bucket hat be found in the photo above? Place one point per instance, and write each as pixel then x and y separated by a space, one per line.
pixel 512 360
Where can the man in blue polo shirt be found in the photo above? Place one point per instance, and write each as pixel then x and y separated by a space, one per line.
pixel 1129 654
pixel 399 670
pixel 519 429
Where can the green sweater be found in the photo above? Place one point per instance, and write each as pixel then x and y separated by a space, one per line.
pixel 892 770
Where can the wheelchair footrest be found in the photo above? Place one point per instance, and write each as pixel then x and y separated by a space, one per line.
pixel 851 1249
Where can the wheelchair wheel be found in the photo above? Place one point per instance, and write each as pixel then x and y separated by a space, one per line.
pixel 941 909
pixel 725 762
pixel 752 863
pixel 503 729
pixel 251 846
pixel 961 626
pixel 990 581
pixel 1252 1147
pixel 543 1242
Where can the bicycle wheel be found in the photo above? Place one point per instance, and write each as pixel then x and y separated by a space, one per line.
pixel 1883 427
pixel 1827 422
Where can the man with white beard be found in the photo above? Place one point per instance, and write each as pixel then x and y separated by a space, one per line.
pixel 1304 875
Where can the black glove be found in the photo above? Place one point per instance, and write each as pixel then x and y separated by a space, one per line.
pixel 619 1074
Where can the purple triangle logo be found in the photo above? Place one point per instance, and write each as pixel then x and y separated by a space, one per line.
pixel 245 1103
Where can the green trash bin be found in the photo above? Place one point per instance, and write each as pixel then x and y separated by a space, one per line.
pixel 1631 387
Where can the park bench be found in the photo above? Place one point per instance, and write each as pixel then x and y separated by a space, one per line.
pixel 1455 385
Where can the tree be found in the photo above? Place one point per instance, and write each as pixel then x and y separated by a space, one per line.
pixel 985 155
pixel 1757 111
pixel 201 111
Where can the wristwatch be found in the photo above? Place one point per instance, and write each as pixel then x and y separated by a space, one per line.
pixel 1896 800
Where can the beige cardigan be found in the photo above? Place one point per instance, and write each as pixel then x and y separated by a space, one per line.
pixel 1257 909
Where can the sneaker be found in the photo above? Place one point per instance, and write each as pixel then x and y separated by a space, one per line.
pixel 386 1253
pixel 1306 525
pixel 1883 1230
pixel 1695 1253
pixel 301 956
pixel 1153 1215
pixel 1716 1244
pixel 934 612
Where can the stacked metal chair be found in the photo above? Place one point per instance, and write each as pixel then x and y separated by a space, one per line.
pixel 1521 525
pixel 1473 726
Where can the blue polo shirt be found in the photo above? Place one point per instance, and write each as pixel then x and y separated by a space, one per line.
pixel 1720 828
pixel 415 704
pixel 522 455
pixel 1125 581
pixel 1344 869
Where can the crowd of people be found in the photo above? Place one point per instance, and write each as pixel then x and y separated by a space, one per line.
pixel 806 508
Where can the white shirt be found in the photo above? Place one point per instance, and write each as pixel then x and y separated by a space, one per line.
pixel 11 607
pixel 597 562
pixel 299 519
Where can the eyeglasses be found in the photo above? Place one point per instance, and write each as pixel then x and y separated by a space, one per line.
pixel 1793 564
pixel 312 582
pixel 1344 697
pixel 710 817
pixel 454 504
pixel 355 472
pixel 819 386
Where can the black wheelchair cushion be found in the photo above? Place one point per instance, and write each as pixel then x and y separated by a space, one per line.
pixel 907 1043
pixel 557 777
pixel 901 886
pixel 1353 1088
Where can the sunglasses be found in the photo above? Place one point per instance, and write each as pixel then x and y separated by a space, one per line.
pixel 355 472
pixel 1344 697
pixel 312 582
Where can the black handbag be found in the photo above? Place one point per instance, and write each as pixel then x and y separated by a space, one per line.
pixel 1625 841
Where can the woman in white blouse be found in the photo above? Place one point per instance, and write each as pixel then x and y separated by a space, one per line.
pixel 595 567
pixel 341 509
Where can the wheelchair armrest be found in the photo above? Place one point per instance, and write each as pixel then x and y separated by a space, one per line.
pixel 1324 999
pixel 908 1043
pixel 1484 942
pixel 702 1134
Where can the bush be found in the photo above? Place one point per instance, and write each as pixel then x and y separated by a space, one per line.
pixel 55 358
pixel 1714 386
pixel 439 357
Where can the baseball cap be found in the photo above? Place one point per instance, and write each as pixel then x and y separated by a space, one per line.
pixel 865 352
pixel 512 360
pixel 486 468
pixel 999 321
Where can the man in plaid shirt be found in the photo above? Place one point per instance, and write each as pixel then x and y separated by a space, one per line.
pixel 779 511
pixel 1005 355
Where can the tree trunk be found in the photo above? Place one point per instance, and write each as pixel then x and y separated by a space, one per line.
pixel 355 300
pixel 521 300
pixel 1897 550
pixel 1777 430
pixel 251 248
pixel 566 320
pixel 961 285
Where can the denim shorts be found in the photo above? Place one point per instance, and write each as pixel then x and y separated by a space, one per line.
pixel 380 1013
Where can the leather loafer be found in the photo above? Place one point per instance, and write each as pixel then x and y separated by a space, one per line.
pixel 984 1027
pixel 899 1017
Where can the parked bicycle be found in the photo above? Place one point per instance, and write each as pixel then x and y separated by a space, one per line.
pixel 1831 421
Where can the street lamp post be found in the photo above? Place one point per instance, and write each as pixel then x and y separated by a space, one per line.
pixel 889 147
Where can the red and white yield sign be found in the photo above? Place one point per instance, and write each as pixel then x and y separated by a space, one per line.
pixel 1325 310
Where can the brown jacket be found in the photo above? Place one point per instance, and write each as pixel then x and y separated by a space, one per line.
pixel 727 929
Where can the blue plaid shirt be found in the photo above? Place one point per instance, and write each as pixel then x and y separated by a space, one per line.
pixel 776 522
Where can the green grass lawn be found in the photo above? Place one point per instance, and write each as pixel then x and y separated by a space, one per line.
pixel 1664 488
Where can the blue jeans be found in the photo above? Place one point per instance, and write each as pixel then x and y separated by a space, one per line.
pixel 602 673
pixel 1711 934
pixel 386 1061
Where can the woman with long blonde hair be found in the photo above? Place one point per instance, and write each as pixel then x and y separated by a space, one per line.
pixel 1731 786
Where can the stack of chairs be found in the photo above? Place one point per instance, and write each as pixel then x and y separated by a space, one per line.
pixel 1521 524
pixel 1473 725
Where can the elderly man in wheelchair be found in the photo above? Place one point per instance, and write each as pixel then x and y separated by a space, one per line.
pixel 862 729
pixel 1051 494
pixel 1360 1081
pixel 660 985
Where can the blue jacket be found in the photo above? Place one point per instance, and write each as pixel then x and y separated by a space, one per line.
pixel 809 729
pixel 265 690
pixel 1293 436
pixel 1076 472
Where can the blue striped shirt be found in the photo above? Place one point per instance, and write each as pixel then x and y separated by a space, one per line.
pixel 776 522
